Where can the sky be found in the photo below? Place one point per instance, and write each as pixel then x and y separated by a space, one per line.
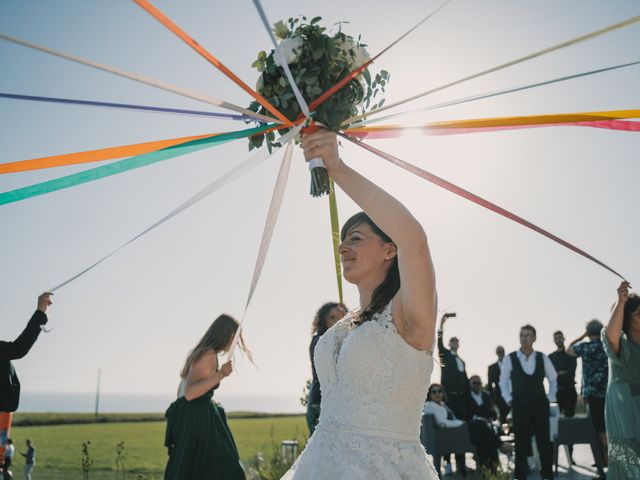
pixel 137 315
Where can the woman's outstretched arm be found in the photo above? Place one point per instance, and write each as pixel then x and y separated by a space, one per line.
pixel 614 328
pixel 418 292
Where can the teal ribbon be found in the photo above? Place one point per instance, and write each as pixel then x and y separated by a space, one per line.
pixel 125 165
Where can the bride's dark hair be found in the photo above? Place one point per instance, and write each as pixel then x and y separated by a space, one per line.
pixel 391 283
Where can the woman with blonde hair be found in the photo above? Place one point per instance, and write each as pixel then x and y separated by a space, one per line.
pixel 198 438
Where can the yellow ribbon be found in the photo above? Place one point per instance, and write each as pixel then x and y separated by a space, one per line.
pixel 335 236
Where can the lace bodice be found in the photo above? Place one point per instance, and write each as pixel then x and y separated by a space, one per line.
pixel 373 387
pixel 372 381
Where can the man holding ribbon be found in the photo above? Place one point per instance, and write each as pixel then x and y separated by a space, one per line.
pixel 9 383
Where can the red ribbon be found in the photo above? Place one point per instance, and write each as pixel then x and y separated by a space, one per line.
pixel 476 199
pixel 381 132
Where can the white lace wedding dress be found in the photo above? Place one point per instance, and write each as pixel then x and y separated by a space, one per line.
pixel 373 389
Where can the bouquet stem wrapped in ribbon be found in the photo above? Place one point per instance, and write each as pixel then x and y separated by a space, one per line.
pixel 317 61
pixel 320 183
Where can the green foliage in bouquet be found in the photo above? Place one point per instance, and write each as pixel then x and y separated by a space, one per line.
pixel 317 60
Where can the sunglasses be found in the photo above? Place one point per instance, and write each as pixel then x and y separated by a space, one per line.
pixel 436 391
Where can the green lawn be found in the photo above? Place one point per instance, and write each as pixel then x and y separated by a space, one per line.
pixel 59 447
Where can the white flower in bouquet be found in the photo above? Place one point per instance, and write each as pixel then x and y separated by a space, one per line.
pixel 318 59
pixel 360 54
pixel 280 30
pixel 361 57
pixel 289 50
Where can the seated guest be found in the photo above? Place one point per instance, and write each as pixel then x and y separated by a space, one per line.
pixel 479 404
pixel 482 435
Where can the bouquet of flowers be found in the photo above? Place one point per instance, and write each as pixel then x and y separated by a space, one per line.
pixel 317 60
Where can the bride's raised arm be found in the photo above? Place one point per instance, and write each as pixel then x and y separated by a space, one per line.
pixel 417 292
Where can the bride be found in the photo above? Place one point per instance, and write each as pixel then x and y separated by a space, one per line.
pixel 374 365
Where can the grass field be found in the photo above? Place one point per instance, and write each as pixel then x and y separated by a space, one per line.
pixel 59 447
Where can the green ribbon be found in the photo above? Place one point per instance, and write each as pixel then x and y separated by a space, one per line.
pixel 125 165
pixel 335 236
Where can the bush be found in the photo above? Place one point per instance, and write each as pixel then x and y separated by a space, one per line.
pixel 274 465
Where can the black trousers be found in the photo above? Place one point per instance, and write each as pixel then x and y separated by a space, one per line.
pixel 596 413
pixel 486 442
pixel 503 408
pixel 567 398
pixel 456 401
pixel 531 417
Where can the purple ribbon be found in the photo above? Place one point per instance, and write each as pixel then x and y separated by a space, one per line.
pixel 127 106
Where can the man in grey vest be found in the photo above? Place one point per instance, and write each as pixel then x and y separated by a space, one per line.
pixel 522 384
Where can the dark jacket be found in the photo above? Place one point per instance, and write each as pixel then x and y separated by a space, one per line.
pixel 453 380
pixel 9 383
pixel 562 361
pixel 485 410
pixel 30 456
pixel 493 374
pixel 314 397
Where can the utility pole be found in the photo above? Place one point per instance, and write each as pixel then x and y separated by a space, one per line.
pixel 98 391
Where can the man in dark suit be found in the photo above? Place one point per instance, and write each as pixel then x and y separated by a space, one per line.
pixel 522 385
pixel 454 374
pixel 565 366
pixel 9 384
pixel 454 380
pixel 479 403
pixel 493 375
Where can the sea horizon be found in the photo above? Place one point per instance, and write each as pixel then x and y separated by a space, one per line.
pixel 84 402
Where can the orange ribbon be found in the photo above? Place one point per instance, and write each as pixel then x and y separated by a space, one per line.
pixel 95 155
pixel 164 20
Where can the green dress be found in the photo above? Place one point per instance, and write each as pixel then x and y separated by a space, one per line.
pixel 622 409
pixel 200 443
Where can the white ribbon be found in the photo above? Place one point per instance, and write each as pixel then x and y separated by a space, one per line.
pixel 250 163
pixel 573 41
pixel 142 79
pixel 493 93
pixel 315 163
pixel 304 108
pixel 267 234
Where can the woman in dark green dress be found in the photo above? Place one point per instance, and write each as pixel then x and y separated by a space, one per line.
pixel 198 438
pixel 621 341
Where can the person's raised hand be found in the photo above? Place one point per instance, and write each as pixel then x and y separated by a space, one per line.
pixel 44 301
pixel 226 369
pixel 623 291
pixel 323 144
pixel 444 318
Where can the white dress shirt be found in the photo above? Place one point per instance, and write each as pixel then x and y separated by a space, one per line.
pixel 477 397
pixel 459 362
pixel 529 367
